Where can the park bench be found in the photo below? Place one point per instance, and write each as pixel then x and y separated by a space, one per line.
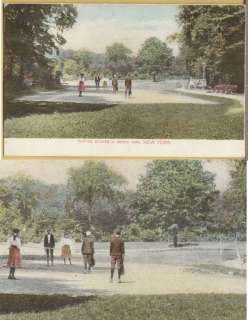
pixel 226 88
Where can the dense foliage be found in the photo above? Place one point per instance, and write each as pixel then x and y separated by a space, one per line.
pixel 155 58
pixel 96 197
pixel 153 61
pixel 212 41
pixel 31 34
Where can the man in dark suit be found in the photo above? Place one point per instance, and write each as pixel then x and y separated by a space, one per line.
pixel 128 86
pixel 49 245
pixel 117 252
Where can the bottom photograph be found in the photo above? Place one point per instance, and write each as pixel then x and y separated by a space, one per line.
pixel 123 239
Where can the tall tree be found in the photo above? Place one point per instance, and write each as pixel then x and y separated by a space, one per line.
pixel 154 57
pixel 212 39
pixel 234 199
pixel 118 59
pixel 171 192
pixel 31 32
pixel 90 183
pixel 25 195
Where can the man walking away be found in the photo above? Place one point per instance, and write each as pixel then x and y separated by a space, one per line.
pixel 115 84
pixel 49 245
pixel 98 79
pixel 88 252
pixel 128 86
pixel 117 252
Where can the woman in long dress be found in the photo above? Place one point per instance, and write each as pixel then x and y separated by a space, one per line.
pixel 14 259
pixel 66 249
pixel 115 84
pixel 81 85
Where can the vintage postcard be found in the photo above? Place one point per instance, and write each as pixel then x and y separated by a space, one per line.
pixel 126 239
pixel 124 80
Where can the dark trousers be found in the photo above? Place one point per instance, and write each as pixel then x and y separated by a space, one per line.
pixel 49 255
pixel 128 91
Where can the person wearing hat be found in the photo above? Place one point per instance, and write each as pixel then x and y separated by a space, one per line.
pixel 117 252
pixel 88 252
pixel 14 258
pixel 49 245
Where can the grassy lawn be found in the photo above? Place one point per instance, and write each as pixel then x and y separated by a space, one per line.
pixel 169 307
pixel 222 120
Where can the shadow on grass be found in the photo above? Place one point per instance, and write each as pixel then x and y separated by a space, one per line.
pixel 24 108
pixel 15 303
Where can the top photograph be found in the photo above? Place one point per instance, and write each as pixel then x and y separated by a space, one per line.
pixel 123 80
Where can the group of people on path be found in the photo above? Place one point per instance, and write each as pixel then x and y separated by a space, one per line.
pixel 115 84
pixel 117 252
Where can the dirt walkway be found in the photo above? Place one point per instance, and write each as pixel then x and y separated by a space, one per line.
pixel 36 277
pixel 101 96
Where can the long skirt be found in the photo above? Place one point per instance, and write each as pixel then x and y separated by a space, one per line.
pixel 81 86
pixel 14 259
pixel 66 251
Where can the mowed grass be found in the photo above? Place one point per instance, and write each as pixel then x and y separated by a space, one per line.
pixel 222 120
pixel 168 307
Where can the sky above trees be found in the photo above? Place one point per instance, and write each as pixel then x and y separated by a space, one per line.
pixel 98 26
pixel 56 171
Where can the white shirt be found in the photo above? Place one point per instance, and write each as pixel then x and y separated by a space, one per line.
pixel 16 242
pixel 67 241
pixel 48 238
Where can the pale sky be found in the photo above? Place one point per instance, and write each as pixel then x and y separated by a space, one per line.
pixel 55 171
pixel 100 25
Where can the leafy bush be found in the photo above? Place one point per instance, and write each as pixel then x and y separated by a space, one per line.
pixel 149 235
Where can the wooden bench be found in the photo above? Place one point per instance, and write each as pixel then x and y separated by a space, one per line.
pixel 226 88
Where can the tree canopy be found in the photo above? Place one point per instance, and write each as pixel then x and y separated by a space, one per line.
pixel 213 38
pixel 174 192
pixel 91 183
pixel 154 57
pixel 32 32
pixel 118 59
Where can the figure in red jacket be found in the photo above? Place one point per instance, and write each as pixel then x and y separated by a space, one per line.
pixel 81 85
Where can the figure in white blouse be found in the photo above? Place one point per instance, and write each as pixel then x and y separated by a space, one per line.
pixel 66 247
pixel 14 259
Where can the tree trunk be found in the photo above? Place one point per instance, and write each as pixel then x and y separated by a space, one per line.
pixel 22 71
pixel 90 211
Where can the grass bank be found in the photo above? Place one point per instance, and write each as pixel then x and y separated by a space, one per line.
pixel 169 307
pixel 222 120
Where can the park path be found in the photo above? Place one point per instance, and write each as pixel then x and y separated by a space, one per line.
pixel 151 268
pixel 37 278
pixel 106 96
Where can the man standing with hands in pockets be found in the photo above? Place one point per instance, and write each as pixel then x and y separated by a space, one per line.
pixel 49 245
pixel 117 252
